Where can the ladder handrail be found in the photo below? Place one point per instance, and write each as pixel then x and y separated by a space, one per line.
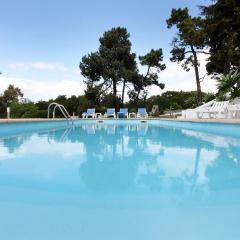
pixel 62 109
pixel 65 114
pixel 65 111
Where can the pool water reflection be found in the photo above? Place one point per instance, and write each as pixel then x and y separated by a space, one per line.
pixel 119 181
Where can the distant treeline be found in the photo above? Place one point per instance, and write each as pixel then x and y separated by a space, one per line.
pixel 170 100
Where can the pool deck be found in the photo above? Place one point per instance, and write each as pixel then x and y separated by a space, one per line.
pixel 229 121
pixel 12 120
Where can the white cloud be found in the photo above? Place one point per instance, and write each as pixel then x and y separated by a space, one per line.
pixel 38 66
pixel 36 90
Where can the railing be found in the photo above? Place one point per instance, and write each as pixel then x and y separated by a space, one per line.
pixel 62 109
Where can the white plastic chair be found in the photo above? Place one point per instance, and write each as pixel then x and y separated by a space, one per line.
pixel 215 110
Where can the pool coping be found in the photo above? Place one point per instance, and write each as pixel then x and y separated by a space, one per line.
pixel 26 120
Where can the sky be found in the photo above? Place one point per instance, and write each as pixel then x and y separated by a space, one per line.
pixel 42 42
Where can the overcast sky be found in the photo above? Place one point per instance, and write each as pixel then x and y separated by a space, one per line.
pixel 42 42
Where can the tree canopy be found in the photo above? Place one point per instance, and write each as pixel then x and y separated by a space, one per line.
pixel 222 31
pixel 11 94
pixel 111 64
pixel 114 64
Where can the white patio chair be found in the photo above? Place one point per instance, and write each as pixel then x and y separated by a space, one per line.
pixel 216 110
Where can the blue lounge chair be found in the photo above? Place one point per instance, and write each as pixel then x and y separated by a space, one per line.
pixel 110 113
pixel 142 113
pixel 123 112
pixel 90 113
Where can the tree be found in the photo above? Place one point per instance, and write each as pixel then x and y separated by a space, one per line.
pixel 188 43
pixel 11 94
pixel 114 64
pixel 222 27
pixel 110 65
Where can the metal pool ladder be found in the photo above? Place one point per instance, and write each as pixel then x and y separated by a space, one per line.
pixel 62 109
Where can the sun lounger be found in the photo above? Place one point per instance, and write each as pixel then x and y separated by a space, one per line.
pixel 234 111
pixel 216 110
pixel 123 112
pixel 110 113
pixel 142 113
pixel 90 113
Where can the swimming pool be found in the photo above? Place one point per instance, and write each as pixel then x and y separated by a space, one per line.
pixel 120 179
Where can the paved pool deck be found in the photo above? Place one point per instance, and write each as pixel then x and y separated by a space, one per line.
pixel 229 121
pixel 16 120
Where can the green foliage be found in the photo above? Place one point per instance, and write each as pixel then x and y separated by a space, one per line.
pixel 222 28
pixel 11 94
pixel 229 83
pixel 111 64
pixel 173 100
pixel 74 104
pixel 92 67
pixel 93 94
pixel 190 28
pixel 108 100
pixel 82 105
pixel 114 64
pixel 153 60
pixel 23 110
pixel 2 108
pixel 169 100
pixel 43 104
pixel 190 34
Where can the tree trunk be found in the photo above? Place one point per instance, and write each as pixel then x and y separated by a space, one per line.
pixel 123 91
pixel 138 93
pixel 195 63
pixel 115 93
pixel 227 66
pixel 148 71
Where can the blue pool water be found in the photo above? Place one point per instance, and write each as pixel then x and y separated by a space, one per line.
pixel 119 180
